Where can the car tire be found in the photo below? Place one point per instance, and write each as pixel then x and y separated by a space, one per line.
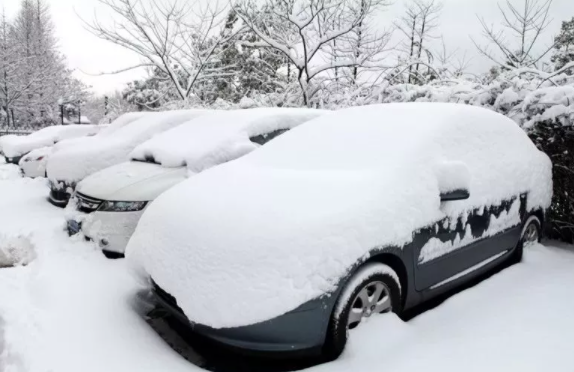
pixel 531 231
pixel 368 279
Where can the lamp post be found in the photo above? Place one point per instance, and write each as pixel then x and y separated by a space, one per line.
pixel 61 103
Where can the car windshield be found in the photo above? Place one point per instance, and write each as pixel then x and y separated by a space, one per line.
pixel 266 137
pixel 148 158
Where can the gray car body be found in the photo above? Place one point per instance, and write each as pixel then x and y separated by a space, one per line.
pixel 304 329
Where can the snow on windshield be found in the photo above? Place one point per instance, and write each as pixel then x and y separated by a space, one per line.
pixel 218 137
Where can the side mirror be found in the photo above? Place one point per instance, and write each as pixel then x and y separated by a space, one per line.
pixel 453 180
pixel 454 195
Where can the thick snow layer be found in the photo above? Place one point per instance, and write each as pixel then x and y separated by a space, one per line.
pixel 72 310
pixel 75 162
pixel 69 309
pixel 20 145
pixel 218 137
pixel 253 239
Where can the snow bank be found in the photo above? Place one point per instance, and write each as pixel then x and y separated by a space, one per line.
pixel 73 163
pixel 255 238
pixel 218 137
pixel 20 145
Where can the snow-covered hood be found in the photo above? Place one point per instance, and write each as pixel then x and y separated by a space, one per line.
pixel 276 258
pixel 131 181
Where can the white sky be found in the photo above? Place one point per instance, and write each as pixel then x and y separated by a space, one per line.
pixel 87 53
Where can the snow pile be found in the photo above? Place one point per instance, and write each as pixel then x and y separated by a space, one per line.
pixel 16 251
pixel 255 238
pixel 73 163
pixel 9 171
pixel 218 137
pixel 20 145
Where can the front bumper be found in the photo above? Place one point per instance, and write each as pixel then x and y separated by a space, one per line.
pixel 111 230
pixel 301 331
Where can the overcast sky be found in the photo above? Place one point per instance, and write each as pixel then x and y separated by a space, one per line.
pixel 86 53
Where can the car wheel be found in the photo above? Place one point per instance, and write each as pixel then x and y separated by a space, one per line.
pixel 373 290
pixel 531 234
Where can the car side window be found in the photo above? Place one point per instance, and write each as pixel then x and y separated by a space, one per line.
pixel 266 137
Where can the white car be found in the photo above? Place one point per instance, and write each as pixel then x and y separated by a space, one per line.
pixel 15 147
pixel 34 163
pixel 69 165
pixel 112 201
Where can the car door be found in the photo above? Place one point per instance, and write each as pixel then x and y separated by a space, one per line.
pixel 459 244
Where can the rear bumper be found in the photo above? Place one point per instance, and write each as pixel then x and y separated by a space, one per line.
pixel 300 332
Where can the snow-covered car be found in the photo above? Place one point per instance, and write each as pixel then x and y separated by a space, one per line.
pixel 69 165
pixel 14 147
pixel 361 211
pixel 34 163
pixel 110 202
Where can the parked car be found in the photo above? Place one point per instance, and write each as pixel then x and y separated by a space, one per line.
pixel 34 163
pixel 15 147
pixel 112 200
pixel 69 165
pixel 362 211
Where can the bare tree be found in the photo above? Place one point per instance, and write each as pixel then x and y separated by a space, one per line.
pixel 514 45
pixel 418 26
pixel 180 40
pixel 364 43
pixel 309 33
pixel 451 64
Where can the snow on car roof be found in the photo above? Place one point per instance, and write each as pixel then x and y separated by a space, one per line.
pixel 218 137
pixel 255 238
pixel 107 130
pixel 73 163
pixel 19 145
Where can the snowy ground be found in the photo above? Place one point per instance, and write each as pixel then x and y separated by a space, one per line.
pixel 72 310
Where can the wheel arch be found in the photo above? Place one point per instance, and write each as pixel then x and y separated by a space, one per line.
pixel 539 213
pixel 396 263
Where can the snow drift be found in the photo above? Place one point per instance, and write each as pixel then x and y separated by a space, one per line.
pixel 253 239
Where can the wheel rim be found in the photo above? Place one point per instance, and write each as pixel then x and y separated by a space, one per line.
pixel 373 298
pixel 530 235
